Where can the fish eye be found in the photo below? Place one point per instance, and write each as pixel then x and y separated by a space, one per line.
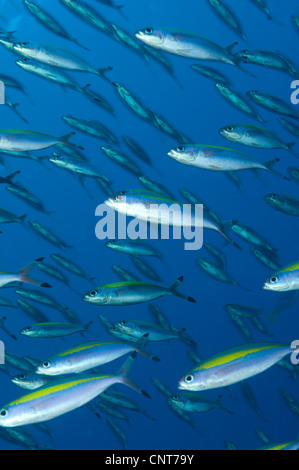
pixel 175 397
pixel 230 128
pixel 25 43
pixel 21 376
pixel 274 280
pixel 123 322
pixel 46 364
pixel 180 148
pixel 149 31
pixel 93 293
pixel 120 198
pixel 244 52
pixel 189 378
pixel 273 196
pixel 3 412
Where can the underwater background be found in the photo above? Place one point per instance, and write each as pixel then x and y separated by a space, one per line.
pixel 197 110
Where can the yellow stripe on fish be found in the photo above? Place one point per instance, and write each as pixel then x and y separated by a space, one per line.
pixel 51 390
pixel 234 354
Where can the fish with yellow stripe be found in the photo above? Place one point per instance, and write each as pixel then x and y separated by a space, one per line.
pixel 129 293
pixel 285 279
pixel 89 355
pixel 234 365
pixel 56 399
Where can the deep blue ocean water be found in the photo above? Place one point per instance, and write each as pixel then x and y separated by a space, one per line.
pixel 198 111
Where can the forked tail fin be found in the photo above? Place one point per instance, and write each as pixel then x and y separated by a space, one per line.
pixel 24 274
pixel 123 375
pixel 65 140
pixel 173 289
pixel 140 347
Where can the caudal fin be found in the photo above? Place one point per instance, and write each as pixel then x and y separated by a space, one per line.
pixel 291 150
pixel 222 407
pixel 65 140
pixel 102 72
pixel 269 167
pixel 140 347
pixel 173 289
pixel 24 277
pixel 123 375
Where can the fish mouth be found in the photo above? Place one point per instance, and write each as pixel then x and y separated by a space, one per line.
pixel 172 154
pixel 140 35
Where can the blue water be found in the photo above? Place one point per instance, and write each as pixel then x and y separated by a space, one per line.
pixel 198 111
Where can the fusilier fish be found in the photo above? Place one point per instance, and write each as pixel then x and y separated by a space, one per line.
pixel 137 329
pixel 211 157
pixel 217 273
pixel 147 206
pixel 79 168
pixel 129 293
pixel 50 22
pixel 290 126
pixel 46 233
pixel 24 141
pixel 133 102
pixel 137 149
pixel 89 355
pixel 32 311
pixel 66 395
pixel 94 128
pixel 194 403
pixel 238 101
pixel 71 266
pixel 144 267
pixel 52 330
pixel 57 57
pixel 89 14
pixel 271 59
pixel 283 203
pixel 250 235
pixel 118 432
pixel 227 16
pixel 253 136
pixel 122 159
pixel 234 365
pixel 272 103
pixel 124 274
pixel 211 73
pixel 133 247
pixel 294 173
pixel 28 197
pixel 152 185
pixel 266 257
pixel 285 279
pixel 30 381
pixel 187 45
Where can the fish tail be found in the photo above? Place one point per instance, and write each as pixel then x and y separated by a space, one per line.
pixel 76 41
pixel 227 238
pixel 269 167
pixel 218 401
pixel 24 274
pixel 124 375
pixel 22 219
pixel 173 289
pixel 65 140
pixel 272 316
pixel 291 150
pixel 140 347
pixel 102 72
pixel 86 327
pixel 12 175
